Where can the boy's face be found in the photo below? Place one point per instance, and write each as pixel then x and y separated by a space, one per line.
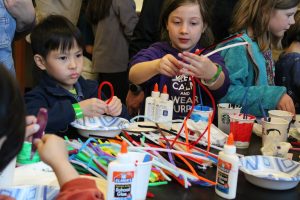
pixel 65 67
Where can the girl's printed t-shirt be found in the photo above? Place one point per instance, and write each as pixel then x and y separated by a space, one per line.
pixel 180 87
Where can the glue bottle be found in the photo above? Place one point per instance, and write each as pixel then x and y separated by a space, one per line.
pixel 164 108
pixel 150 103
pixel 120 176
pixel 227 170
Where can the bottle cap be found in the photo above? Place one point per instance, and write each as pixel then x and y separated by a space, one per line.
pixel 124 147
pixel 165 89
pixel 155 87
pixel 230 140
pixel 155 93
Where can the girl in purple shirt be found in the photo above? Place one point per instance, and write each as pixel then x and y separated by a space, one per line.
pixel 185 29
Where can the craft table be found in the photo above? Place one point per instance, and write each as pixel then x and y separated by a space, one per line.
pixel 245 190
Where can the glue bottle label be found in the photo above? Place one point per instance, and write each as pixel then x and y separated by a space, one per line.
pixel 223 176
pixel 123 182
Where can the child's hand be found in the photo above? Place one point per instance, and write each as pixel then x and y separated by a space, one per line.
pixel 52 150
pixel 199 66
pixel 169 66
pixel 31 126
pixel 114 108
pixel 93 107
pixel 286 103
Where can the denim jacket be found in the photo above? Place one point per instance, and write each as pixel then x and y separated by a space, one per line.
pixel 7 32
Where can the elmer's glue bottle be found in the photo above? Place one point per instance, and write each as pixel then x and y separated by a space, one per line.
pixel 227 170
pixel 150 103
pixel 120 176
pixel 164 108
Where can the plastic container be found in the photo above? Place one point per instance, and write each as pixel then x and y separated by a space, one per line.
pixel 164 108
pixel 241 127
pixel 227 170
pixel 224 110
pixel 201 113
pixel 274 131
pixel 150 104
pixel 121 176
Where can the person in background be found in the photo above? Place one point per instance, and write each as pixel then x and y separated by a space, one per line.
pixel 145 33
pixel 251 68
pixel 51 148
pixel 57 48
pixel 221 18
pixel 185 29
pixel 17 19
pixel 68 8
pixel 113 24
pixel 287 71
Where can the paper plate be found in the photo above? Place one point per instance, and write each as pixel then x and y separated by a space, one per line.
pixel 105 126
pixel 271 172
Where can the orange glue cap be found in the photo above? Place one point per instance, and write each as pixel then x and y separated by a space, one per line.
pixel 165 89
pixel 230 139
pixel 124 147
pixel 155 87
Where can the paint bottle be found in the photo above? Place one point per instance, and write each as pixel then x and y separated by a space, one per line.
pixel 164 108
pixel 150 103
pixel 227 170
pixel 120 176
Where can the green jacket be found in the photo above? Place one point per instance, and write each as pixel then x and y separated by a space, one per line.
pixel 248 78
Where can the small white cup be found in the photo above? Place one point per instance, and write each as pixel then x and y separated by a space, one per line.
pixel 7 175
pixel 274 131
pixel 281 114
pixel 224 110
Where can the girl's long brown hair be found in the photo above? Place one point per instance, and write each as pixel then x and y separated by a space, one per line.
pixel 256 14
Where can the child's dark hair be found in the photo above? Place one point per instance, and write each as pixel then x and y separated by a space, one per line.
pixel 293 34
pixel 205 10
pixel 55 32
pixel 12 118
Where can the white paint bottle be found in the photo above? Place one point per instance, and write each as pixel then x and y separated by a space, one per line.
pixel 164 108
pixel 121 176
pixel 227 170
pixel 150 104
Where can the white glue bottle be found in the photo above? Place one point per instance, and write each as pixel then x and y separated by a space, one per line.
pixel 164 108
pixel 120 176
pixel 227 170
pixel 150 103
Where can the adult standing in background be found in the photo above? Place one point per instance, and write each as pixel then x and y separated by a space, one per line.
pixel 17 17
pixel 146 31
pixel 113 24
pixel 68 8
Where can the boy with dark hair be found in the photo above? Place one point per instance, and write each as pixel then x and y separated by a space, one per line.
pixel 57 48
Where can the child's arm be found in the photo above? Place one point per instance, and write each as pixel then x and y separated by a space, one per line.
pixel 23 12
pixel 286 103
pixel 93 107
pixel 141 72
pixel 31 126
pixel 114 108
pixel 53 151
pixel 203 68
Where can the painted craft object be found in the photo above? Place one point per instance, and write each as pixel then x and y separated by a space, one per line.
pixel 42 119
